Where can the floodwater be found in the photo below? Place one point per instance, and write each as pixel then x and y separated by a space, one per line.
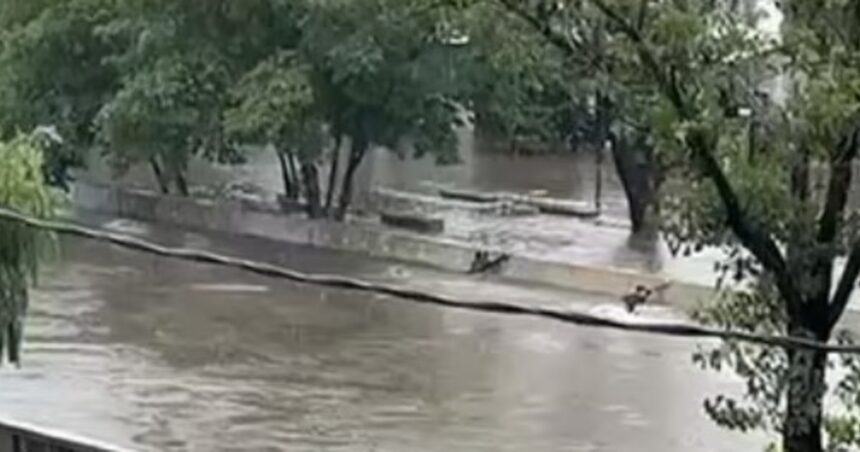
pixel 604 242
pixel 564 176
pixel 160 355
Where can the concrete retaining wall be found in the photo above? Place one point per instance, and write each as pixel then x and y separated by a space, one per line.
pixel 263 220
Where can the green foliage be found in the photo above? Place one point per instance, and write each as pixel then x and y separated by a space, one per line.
pixel 520 86
pixel 170 108
pixel 275 103
pixel 382 72
pixel 764 369
pixel 704 64
pixel 22 189
pixel 769 188
pixel 52 74
pixel 178 62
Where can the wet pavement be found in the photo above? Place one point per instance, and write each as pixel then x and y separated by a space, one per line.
pixel 161 355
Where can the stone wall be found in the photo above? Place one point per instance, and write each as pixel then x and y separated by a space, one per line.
pixel 265 221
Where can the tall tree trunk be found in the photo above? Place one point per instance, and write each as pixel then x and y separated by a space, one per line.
pixel 158 172
pixel 598 178
pixel 293 172
pixel 356 155
pixel 634 163
pixel 806 388
pixel 290 189
pixel 332 176
pixel 311 183
pixel 181 183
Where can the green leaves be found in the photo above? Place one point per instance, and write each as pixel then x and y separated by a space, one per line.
pixel 379 71
pixel 51 70
pixel 170 108
pixel 22 189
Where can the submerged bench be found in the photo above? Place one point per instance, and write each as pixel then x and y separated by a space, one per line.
pixel 544 205
pixel 413 221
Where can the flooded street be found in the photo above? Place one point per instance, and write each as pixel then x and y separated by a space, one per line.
pixel 161 355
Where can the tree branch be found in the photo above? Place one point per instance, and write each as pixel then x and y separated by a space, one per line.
pixel 841 173
pixel 645 53
pixel 643 12
pixel 834 209
pixel 844 288
pixel 751 236
pixel 564 43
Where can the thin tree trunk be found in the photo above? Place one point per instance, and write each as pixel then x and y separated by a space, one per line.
pixel 806 388
pixel 598 178
pixel 158 172
pixel 289 186
pixel 310 176
pixel 332 176
pixel 294 172
pixel 356 155
pixel 181 183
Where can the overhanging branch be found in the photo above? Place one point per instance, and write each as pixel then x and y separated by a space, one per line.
pixel 752 236
pixel 564 43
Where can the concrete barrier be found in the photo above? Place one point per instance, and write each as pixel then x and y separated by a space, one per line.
pixel 370 239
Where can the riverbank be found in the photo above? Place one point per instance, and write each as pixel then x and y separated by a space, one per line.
pixel 264 220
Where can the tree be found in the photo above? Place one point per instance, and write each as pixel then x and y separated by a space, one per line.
pixel 589 56
pixel 177 63
pixel 52 75
pixel 165 114
pixel 785 235
pixel 275 104
pixel 383 71
pixel 21 248
pixel 520 85
pixel 687 69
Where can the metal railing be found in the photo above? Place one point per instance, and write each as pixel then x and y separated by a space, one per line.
pixel 22 437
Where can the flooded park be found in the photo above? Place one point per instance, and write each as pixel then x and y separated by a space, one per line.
pixel 424 226
pixel 153 354
pixel 160 355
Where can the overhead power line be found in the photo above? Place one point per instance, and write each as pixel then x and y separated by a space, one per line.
pixel 417 296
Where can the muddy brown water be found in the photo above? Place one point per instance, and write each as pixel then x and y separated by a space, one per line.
pixel 160 355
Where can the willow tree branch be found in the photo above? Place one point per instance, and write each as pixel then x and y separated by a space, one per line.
pixel 417 296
